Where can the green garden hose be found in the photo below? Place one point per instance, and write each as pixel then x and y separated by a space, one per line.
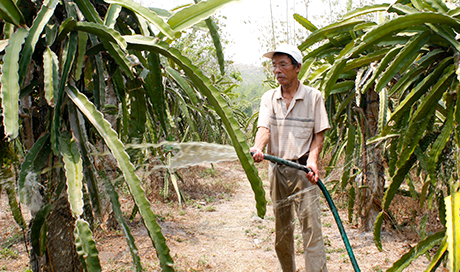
pixel 329 201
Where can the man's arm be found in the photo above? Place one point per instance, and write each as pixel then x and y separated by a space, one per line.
pixel 262 138
pixel 312 162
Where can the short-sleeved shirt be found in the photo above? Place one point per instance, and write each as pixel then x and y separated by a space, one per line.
pixel 292 129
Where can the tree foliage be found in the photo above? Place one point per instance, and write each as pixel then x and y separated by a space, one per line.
pixel 403 70
pixel 83 77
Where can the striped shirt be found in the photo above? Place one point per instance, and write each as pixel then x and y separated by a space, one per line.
pixel 292 129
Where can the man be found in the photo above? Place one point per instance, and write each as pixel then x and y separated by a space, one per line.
pixel 292 120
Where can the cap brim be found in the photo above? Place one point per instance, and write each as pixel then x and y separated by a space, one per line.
pixel 269 54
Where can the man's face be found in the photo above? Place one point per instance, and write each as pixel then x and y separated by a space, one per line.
pixel 283 69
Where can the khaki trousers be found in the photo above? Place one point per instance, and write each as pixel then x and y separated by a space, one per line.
pixel 289 189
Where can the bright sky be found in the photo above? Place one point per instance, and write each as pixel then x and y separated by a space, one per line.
pixel 247 19
pixel 250 20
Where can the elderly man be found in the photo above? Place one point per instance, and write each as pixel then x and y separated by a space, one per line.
pixel 292 120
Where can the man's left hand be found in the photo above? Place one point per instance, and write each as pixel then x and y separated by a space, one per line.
pixel 313 175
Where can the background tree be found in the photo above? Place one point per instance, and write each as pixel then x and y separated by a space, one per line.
pixel 93 77
pixel 391 94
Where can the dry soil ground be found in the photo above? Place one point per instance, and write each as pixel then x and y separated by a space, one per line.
pixel 217 229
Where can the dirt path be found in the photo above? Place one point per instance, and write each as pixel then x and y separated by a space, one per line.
pixel 220 231
pixel 224 234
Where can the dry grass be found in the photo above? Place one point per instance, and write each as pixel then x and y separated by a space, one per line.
pixel 195 183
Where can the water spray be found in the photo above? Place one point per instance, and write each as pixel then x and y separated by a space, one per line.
pixel 195 153
pixel 329 202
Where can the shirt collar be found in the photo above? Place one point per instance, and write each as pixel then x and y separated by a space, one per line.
pixel 299 95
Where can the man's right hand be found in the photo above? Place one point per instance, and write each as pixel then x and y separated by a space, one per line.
pixel 262 138
pixel 257 155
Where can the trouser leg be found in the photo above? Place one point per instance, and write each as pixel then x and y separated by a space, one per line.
pixel 309 214
pixel 284 218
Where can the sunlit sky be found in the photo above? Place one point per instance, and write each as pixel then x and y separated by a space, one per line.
pixel 249 20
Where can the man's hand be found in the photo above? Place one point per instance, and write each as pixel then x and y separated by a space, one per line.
pixel 262 138
pixel 258 155
pixel 312 162
pixel 313 175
